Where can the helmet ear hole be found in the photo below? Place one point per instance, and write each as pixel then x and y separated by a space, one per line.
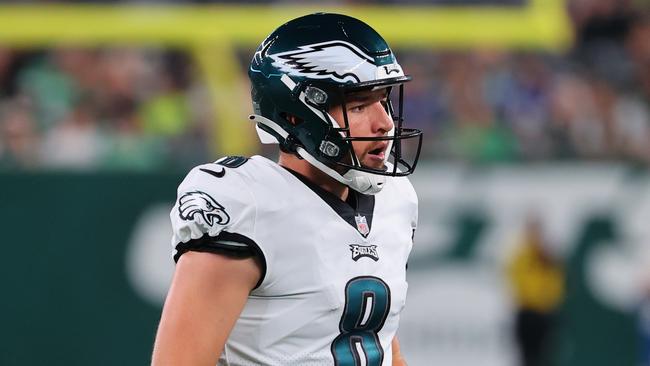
pixel 294 120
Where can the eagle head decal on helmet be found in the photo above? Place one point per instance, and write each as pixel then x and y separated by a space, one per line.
pixel 308 66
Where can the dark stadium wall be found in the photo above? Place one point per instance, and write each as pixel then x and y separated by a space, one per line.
pixel 70 296
pixel 67 299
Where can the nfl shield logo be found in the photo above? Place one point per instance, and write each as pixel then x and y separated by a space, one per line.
pixel 362 225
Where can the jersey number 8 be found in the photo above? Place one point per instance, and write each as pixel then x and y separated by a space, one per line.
pixel 367 302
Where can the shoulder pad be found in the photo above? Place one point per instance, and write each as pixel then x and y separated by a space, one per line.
pixel 211 203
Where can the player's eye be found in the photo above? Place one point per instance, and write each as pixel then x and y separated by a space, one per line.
pixel 357 108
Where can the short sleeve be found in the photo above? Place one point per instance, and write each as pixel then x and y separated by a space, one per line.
pixel 214 212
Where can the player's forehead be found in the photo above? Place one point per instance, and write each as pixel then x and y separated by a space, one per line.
pixel 367 95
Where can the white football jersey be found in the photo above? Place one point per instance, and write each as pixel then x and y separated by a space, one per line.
pixel 333 282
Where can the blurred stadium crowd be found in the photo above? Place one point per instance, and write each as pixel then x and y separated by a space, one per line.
pixel 100 108
pixel 145 108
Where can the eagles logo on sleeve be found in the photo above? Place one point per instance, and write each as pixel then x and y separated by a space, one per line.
pixel 201 203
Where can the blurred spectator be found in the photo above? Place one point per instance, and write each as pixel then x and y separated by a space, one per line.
pixel 474 133
pixel 19 139
pixel 632 128
pixel 601 29
pixel 524 103
pixel 166 112
pixel 425 104
pixel 74 143
pixel 126 146
pixel 537 282
pixel 574 112
pixel 638 48
pixel 50 87
pixel 7 75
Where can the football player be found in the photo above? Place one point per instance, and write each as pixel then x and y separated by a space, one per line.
pixel 300 262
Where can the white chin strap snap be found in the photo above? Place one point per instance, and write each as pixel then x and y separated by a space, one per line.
pixel 361 182
pixel 364 182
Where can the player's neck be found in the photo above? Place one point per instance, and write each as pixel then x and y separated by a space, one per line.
pixel 316 176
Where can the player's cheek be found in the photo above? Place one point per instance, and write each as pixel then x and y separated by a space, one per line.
pixel 357 148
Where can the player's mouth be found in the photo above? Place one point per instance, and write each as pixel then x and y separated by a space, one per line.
pixel 377 155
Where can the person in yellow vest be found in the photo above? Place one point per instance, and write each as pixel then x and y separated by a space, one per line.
pixel 537 283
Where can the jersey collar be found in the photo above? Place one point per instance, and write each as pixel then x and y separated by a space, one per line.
pixel 357 210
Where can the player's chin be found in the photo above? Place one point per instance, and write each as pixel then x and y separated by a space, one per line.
pixel 374 161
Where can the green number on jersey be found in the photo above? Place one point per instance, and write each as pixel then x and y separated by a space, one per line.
pixel 367 302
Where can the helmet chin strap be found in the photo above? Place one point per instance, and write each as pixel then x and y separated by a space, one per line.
pixel 361 182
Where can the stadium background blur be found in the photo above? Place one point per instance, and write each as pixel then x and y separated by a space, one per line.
pixel 538 107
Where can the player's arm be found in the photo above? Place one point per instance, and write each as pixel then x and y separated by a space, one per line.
pixel 398 360
pixel 207 294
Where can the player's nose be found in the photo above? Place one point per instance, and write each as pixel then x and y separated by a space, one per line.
pixel 381 121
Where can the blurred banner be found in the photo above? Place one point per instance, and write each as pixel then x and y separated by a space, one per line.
pixel 88 262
